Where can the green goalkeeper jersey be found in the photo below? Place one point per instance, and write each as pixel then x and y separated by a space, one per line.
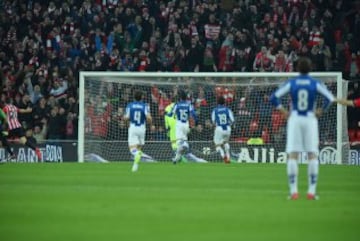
pixel 2 117
pixel 170 122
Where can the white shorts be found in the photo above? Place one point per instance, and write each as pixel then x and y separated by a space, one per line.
pixel 136 135
pixel 182 130
pixel 221 136
pixel 302 134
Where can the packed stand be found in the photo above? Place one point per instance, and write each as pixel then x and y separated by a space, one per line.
pixel 45 44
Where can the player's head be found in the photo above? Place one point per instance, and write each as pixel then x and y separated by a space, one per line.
pixel 221 100
pixel 182 95
pixel 304 65
pixel 138 95
pixel 6 100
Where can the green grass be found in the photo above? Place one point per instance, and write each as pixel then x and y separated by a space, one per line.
pixel 163 202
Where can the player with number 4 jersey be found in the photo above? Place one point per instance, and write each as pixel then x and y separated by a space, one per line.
pixel 137 114
pixel 302 126
pixel 222 117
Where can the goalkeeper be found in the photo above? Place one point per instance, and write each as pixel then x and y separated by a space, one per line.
pixel 3 134
pixel 170 123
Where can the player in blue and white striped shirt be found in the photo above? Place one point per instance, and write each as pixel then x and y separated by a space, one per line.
pixel 222 117
pixel 183 111
pixel 138 114
pixel 302 126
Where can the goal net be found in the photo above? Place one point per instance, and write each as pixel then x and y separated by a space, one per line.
pixel 104 96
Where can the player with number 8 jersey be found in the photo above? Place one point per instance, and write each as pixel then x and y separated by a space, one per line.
pixel 302 125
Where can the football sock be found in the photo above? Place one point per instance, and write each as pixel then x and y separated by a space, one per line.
pixel 221 151
pixel 292 172
pixel 146 157
pixel 313 172
pixel 30 144
pixel 6 144
pixel 137 155
pixel 227 150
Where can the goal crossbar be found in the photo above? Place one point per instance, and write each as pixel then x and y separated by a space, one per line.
pixel 178 75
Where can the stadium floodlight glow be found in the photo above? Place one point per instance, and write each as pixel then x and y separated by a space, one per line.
pixel 103 97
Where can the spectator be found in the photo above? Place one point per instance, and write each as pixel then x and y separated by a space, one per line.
pixel 262 61
pixel 321 55
pixel 45 44
pixel 55 125
pixel 40 131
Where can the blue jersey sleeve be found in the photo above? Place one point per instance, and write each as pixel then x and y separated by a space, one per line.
pixel 280 92
pixel 193 113
pixel 329 98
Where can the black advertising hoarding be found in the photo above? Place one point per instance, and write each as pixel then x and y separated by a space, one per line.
pixel 51 152
pixel 118 151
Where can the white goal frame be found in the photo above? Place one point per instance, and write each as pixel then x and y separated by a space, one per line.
pixel 101 74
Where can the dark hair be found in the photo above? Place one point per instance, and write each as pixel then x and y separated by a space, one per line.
pixel 221 100
pixel 304 65
pixel 182 95
pixel 138 95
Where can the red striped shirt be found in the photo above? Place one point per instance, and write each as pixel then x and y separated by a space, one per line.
pixel 12 116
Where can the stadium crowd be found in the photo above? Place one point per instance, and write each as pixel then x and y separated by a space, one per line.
pixel 44 44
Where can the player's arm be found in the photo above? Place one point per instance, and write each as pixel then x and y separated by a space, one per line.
pixel 167 124
pixel 3 116
pixel 194 115
pixel 27 110
pixel 353 103
pixel 168 116
pixel 345 102
pixel 276 96
pixel 148 115
pixel 231 117
pixel 329 97
pixel 213 117
pixel 172 111
pixel 126 116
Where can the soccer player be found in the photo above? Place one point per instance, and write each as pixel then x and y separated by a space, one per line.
pixel 15 128
pixel 353 103
pixel 138 114
pixel 302 125
pixel 183 111
pixel 170 125
pixel 222 117
pixel 3 139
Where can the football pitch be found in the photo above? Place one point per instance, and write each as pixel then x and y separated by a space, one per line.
pixel 165 202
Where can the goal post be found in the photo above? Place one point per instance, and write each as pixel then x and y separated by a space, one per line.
pixel 103 97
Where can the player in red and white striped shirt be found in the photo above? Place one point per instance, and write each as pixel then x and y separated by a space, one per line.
pixel 353 103
pixel 15 128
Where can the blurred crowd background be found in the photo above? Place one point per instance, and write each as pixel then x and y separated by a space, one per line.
pixel 44 45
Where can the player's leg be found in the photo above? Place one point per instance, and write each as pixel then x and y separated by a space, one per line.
pixel 134 147
pixel 193 158
pixel 294 142
pixel 226 138
pixel 25 141
pixel 6 144
pixel 218 142
pixel 311 146
pixel 143 156
pixel 181 141
pixel 292 171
